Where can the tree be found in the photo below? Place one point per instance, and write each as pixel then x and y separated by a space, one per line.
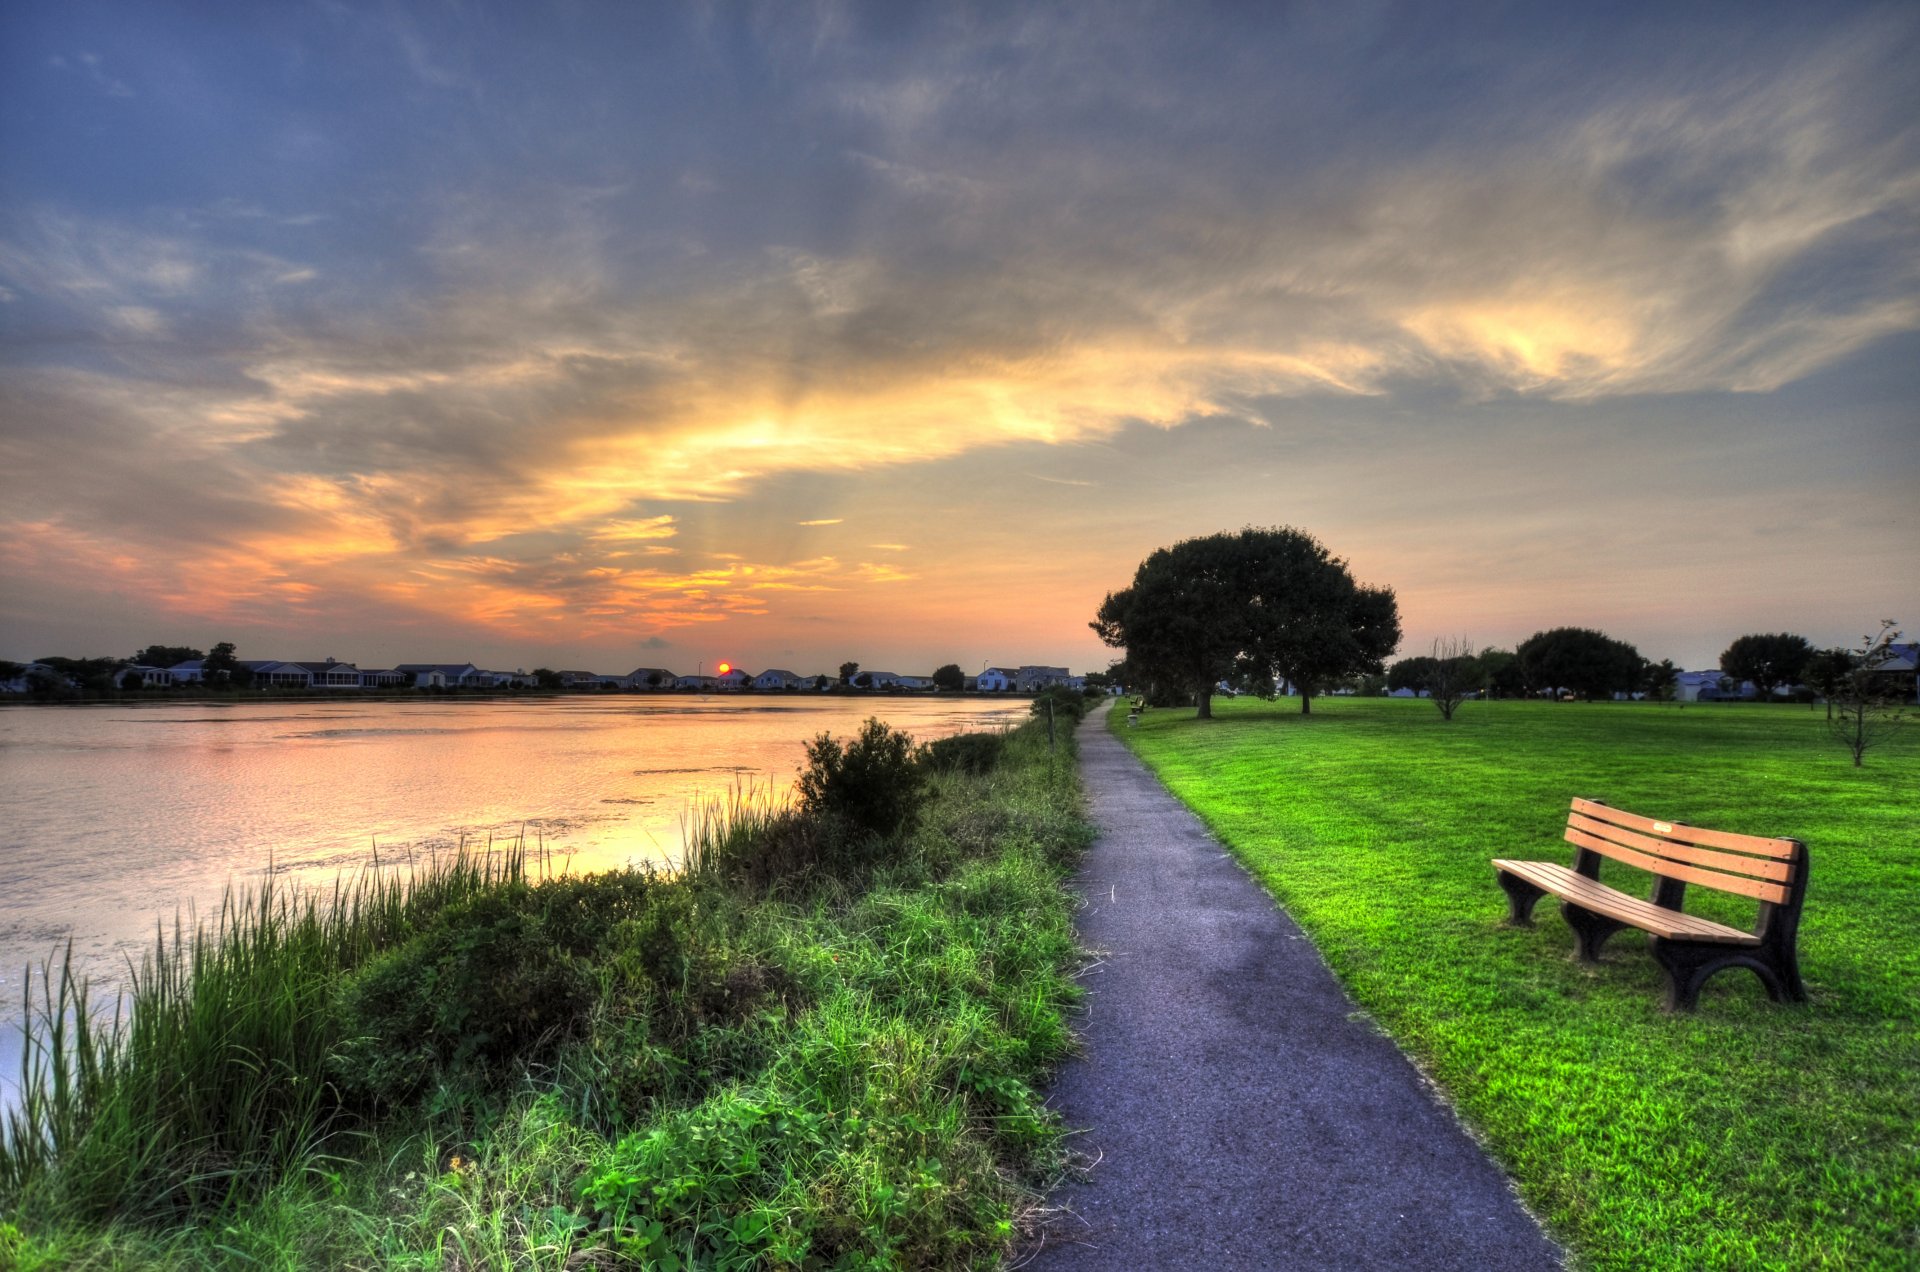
pixel 1308 622
pixel 1255 604
pixel 1767 660
pixel 863 681
pixel 1411 673
pixel 1870 704
pixel 166 655
pixel 949 678
pixel 1657 680
pixel 847 670
pixel 1183 619
pixel 1456 673
pixel 820 682
pixel 547 678
pixel 220 667
pixel 1827 671
pixel 1501 667
pixel 1590 664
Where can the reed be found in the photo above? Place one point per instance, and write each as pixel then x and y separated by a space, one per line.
pixel 207 1078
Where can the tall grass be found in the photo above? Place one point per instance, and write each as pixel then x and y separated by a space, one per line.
pixel 208 1078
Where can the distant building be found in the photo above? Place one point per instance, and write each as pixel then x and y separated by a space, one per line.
pixel 694 682
pixel 444 675
pixel 329 674
pixel 384 678
pixel 776 678
pixel 1902 664
pixel 1032 679
pixel 734 679
pixel 996 679
pixel 650 678
pixel 1710 686
pixel 22 681
pixel 913 682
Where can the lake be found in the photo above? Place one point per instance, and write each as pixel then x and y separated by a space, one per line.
pixel 115 817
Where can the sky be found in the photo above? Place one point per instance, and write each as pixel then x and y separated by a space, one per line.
pixel 608 335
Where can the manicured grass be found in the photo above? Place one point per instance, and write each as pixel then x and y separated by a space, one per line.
pixel 1748 1135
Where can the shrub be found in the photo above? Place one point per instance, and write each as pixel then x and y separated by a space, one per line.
pixel 483 987
pixel 1068 704
pixel 966 753
pixel 874 784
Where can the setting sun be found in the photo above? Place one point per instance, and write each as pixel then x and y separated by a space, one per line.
pixel 725 668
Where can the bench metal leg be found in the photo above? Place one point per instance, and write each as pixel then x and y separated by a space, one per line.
pixel 1590 930
pixel 1520 898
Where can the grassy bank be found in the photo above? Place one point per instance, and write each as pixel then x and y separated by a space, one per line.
pixel 1749 1135
pixel 817 1048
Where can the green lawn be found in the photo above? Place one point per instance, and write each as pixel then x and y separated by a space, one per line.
pixel 1748 1135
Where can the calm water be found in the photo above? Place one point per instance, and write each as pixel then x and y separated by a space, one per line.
pixel 113 817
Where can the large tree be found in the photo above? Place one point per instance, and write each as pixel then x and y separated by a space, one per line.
pixel 1262 603
pixel 1588 663
pixel 1769 660
pixel 166 655
pixel 1308 622
pixel 1183 620
pixel 949 678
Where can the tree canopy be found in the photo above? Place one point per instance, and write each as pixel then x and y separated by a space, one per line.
pixel 1769 660
pixel 1266 604
pixel 949 678
pixel 166 655
pixel 1585 662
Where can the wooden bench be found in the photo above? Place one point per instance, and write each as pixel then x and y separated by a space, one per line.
pixel 1689 948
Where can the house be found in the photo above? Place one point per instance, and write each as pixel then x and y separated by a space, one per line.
pixel 702 683
pixel 141 676
pixel 329 674
pixel 1902 664
pixel 1709 686
pixel 191 672
pixel 650 678
pixel 776 678
pixel 270 673
pixel 443 675
pixel 876 680
pixel 913 682
pixel 1032 679
pixel 384 678
pixel 23 680
pixel 733 679
pixel 996 679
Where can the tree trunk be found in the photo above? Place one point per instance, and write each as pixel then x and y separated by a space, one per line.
pixel 1306 703
pixel 1206 704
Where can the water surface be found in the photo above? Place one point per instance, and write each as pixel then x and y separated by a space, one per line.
pixel 114 817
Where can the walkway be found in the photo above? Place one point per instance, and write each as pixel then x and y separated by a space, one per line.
pixel 1241 1116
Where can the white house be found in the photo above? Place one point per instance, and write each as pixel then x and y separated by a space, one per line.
pixel 270 673
pixel 996 679
pixel 191 672
pixel 776 678
pixel 1032 679
pixel 694 682
pixel 733 679
pixel 650 678
pixel 22 680
pixel 443 675
pixel 330 674
pixel 913 682
pixel 383 678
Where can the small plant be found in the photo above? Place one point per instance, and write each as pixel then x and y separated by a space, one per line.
pixel 873 784
pixel 1870 703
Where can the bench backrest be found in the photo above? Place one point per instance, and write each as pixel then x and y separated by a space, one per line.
pixel 1747 864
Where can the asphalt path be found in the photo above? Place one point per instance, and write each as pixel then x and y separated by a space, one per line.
pixel 1239 1110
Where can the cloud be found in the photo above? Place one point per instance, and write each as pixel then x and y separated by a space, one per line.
pixel 821 521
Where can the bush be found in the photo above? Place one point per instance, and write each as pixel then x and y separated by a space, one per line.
pixel 966 753
pixel 874 784
pixel 1068 704
pixel 484 987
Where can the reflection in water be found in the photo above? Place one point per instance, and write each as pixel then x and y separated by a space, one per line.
pixel 119 816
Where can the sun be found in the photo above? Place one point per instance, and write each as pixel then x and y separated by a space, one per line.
pixel 725 668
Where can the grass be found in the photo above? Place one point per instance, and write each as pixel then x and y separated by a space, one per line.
pixel 1748 1135
pixel 833 1064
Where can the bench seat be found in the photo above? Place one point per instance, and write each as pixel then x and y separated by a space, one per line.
pixel 1570 885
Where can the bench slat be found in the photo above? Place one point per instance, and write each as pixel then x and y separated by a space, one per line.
pixel 1756 844
pixel 1757 867
pixel 1593 895
pixel 1746 887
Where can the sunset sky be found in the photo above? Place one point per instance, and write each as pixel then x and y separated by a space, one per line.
pixel 604 335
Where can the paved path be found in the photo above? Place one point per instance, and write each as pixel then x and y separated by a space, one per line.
pixel 1240 1116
